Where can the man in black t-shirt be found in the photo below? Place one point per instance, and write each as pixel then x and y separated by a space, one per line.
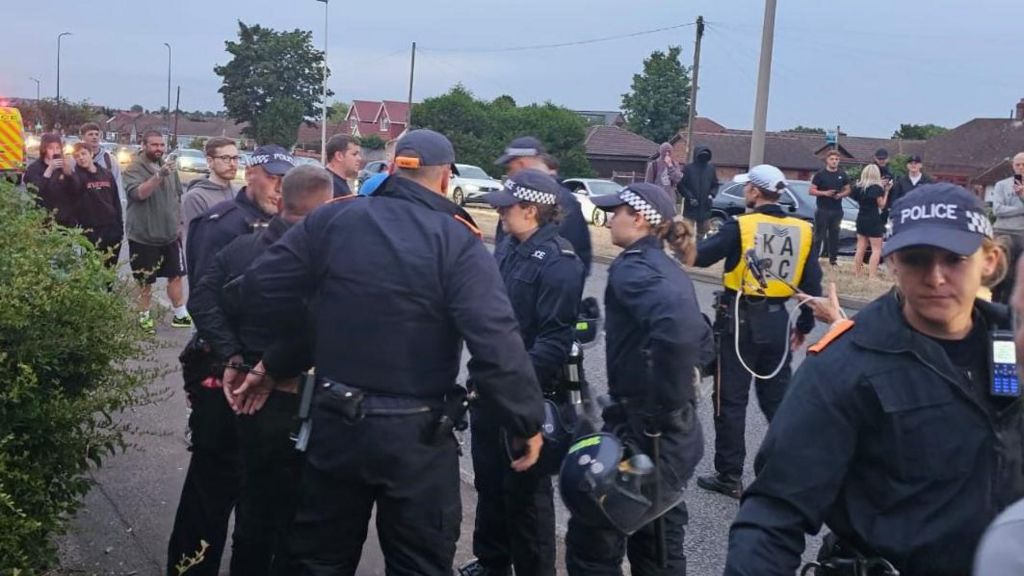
pixel 829 186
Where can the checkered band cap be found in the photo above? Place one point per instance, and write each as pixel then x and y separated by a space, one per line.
pixel 940 215
pixel 650 213
pixel 528 194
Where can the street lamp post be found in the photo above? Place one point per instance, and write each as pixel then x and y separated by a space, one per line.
pixel 323 110
pixel 37 88
pixel 168 115
pixel 59 36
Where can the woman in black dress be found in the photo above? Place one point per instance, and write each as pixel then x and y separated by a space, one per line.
pixel 871 195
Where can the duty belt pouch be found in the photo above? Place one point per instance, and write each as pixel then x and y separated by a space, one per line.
pixel 766 323
pixel 343 401
pixel 197 363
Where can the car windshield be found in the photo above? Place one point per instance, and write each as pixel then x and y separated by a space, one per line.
pixel 191 153
pixel 599 187
pixel 469 171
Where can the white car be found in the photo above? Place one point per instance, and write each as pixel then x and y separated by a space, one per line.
pixel 471 184
pixel 585 188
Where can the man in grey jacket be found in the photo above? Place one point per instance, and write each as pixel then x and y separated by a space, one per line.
pixel 222 158
pixel 152 221
pixel 1008 207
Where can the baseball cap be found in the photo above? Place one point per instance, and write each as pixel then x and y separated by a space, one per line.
pixel 942 215
pixel 273 159
pixel 764 176
pixel 525 186
pixel 649 200
pixel 881 153
pixel 915 158
pixel 423 148
pixel 522 147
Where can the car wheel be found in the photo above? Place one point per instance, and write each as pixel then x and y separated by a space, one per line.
pixel 714 224
pixel 599 217
pixel 458 197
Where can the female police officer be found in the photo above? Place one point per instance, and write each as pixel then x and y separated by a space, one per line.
pixel 891 433
pixel 515 516
pixel 656 336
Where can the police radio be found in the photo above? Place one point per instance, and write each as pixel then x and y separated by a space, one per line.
pixel 754 266
pixel 574 375
pixel 1005 382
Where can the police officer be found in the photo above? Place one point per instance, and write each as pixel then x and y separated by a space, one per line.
pixel 255 203
pixel 211 486
pixel 270 463
pixel 752 321
pixel 892 433
pixel 402 280
pixel 655 338
pixel 527 152
pixel 515 516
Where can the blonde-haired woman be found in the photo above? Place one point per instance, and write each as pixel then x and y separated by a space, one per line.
pixel 871 195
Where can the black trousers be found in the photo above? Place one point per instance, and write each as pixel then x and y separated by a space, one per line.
pixel 211 486
pixel 382 461
pixel 826 230
pixel 599 550
pixel 271 471
pixel 762 341
pixel 515 511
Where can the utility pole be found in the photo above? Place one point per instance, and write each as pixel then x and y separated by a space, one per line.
pixel 323 105
pixel 167 116
pixel 694 88
pixel 37 89
pixel 764 74
pixel 177 105
pixel 412 74
pixel 59 36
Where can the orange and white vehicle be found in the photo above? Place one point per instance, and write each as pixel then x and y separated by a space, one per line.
pixel 12 143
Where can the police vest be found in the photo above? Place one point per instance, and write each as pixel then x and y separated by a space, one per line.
pixel 782 246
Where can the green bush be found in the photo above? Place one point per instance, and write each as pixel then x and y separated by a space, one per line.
pixel 70 347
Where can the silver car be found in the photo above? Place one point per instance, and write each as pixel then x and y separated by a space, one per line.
pixel 471 184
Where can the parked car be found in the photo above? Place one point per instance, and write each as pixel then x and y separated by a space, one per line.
pixel 797 200
pixel 191 164
pixel 371 168
pixel 304 160
pixel 584 189
pixel 471 184
pixel 69 143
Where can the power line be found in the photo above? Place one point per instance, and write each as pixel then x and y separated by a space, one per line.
pixel 564 44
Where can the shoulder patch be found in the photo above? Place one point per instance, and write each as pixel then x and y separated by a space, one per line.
pixel 342 198
pixel 476 231
pixel 840 328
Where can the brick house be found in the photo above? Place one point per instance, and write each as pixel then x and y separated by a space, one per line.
pixel 618 154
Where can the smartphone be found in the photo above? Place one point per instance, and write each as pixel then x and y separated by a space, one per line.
pixel 1018 179
pixel 1005 380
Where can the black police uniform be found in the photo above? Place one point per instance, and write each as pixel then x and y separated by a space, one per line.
pixel 270 463
pixel 212 230
pixel 898 450
pixel 655 337
pixel 515 516
pixel 401 282
pixel 573 228
pixel 762 344
pixel 212 483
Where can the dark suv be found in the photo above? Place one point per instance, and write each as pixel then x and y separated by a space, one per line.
pixel 797 200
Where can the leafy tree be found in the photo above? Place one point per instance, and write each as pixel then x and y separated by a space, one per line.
pixel 479 130
pixel 805 130
pixel 68 115
pixel 659 99
pixel 372 142
pixel 198 143
pixel 336 112
pixel 918 131
pixel 273 82
pixel 136 108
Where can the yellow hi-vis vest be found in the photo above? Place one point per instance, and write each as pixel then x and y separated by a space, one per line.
pixel 782 245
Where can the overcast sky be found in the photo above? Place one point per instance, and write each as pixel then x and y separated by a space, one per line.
pixel 866 65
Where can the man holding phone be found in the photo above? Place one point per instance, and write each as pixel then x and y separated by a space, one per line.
pixel 45 178
pixel 1008 207
pixel 664 171
pixel 154 212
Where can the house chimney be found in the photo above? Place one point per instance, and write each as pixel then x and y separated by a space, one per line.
pixel 1020 110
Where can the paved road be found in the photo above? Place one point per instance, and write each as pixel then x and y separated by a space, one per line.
pixel 124 526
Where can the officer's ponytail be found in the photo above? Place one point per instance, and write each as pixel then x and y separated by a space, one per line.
pixel 680 237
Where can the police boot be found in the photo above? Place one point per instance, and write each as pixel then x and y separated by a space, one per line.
pixel 722 483
pixel 475 568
